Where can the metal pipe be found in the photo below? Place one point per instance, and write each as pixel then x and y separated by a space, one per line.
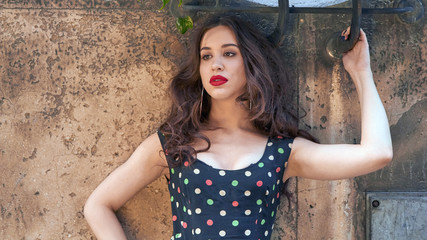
pixel 278 35
pixel 295 10
pixel 349 10
pixel 230 9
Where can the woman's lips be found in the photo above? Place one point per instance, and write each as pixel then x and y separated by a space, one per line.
pixel 218 80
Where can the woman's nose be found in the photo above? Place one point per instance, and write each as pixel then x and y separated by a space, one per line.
pixel 217 64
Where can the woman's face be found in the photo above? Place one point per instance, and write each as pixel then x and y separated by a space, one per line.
pixel 221 64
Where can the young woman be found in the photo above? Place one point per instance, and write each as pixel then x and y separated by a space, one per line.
pixel 231 140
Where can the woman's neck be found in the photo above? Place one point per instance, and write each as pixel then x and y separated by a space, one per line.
pixel 230 115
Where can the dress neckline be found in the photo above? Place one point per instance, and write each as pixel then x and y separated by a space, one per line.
pixel 239 169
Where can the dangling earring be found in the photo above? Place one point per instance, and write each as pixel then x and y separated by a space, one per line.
pixel 250 105
pixel 201 102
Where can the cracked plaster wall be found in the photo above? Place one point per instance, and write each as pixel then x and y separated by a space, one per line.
pixel 83 83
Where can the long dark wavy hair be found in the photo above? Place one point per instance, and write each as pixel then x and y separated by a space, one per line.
pixel 268 89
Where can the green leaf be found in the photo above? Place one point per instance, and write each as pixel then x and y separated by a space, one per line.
pixel 180 3
pixel 183 24
pixel 164 4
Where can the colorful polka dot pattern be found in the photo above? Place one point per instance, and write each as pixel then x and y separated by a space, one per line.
pixel 210 203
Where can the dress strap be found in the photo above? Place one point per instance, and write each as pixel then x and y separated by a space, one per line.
pixel 283 149
pixel 162 139
pixel 163 142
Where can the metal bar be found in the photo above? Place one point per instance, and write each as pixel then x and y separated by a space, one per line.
pixel 230 9
pixel 349 10
pixel 296 10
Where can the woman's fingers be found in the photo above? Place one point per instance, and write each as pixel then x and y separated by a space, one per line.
pixel 346 33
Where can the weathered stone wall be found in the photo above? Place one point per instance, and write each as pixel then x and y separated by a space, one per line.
pixel 81 86
pixel 335 209
pixel 83 83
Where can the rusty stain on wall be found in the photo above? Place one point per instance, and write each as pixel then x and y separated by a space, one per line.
pixel 83 83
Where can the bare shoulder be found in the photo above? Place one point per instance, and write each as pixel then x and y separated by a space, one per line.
pixel 151 150
pixel 301 146
pixel 303 161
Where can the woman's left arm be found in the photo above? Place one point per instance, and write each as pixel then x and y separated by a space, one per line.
pixel 338 161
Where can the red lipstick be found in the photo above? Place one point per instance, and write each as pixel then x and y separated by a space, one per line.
pixel 218 80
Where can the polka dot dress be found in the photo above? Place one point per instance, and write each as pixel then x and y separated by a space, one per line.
pixel 211 203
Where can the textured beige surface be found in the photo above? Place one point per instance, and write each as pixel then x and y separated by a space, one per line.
pixel 335 209
pixel 79 91
pixel 83 83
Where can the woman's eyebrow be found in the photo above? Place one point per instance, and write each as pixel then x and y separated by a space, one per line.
pixel 223 46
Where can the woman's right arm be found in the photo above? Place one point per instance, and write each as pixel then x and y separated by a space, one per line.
pixel 144 166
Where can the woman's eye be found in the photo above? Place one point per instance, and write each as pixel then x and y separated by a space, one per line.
pixel 206 57
pixel 229 54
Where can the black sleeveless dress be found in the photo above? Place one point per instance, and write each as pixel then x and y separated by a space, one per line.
pixel 211 203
